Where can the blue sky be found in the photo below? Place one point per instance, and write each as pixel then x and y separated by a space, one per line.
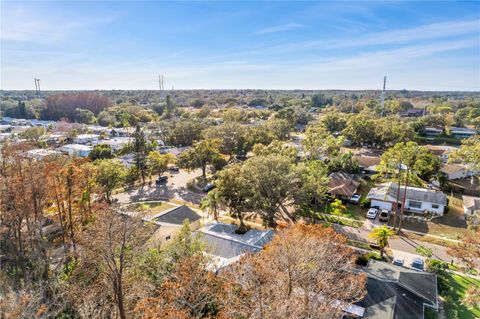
pixel 266 45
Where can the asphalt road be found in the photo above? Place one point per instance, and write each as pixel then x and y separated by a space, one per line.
pixel 175 188
pixel 399 243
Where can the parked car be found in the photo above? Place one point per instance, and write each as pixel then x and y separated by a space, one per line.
pixel 372 213
pixel 384 215
pixel 398 261
pixel 162 180
pixel 355 198
pixel 417 263
pixel 173 168
pixel 208 187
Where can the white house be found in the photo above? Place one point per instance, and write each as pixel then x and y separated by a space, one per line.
pixel 226 246
pixel 40 153
pixel 432 131
pixel 441 151
pixel 116 143
pixel 76 150
pixel 418 200
pixel 455 171
pixel 86 138
pixel 462 132
pixel 471 205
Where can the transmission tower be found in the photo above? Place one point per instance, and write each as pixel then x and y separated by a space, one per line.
pixel 382 101
pixel 161 86
pixel 37 87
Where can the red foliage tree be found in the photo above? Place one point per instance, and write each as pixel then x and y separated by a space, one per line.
pixel 64 105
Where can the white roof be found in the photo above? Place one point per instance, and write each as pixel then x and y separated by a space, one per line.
pixel 77 147
pixel 387 192
pixel 87 136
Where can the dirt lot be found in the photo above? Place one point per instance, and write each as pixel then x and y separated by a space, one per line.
pixel 452 225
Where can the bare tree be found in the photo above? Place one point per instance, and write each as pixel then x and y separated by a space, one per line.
pixel 305 272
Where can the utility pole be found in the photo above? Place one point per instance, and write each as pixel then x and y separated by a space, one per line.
pixel 382 101
pixel 37 87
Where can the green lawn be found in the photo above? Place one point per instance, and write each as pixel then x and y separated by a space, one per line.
pixel 357 211
pixel 452 289
pixel 150 209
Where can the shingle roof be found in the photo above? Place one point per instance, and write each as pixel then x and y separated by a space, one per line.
pixel 397 292
pixel 342 184
pixel 178 215
pixel 423 284
pixel 452 168
pixel 471 202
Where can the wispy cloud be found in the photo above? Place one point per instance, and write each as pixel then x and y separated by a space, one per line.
pixel 24 24
pixel 279 28
pixel 399 36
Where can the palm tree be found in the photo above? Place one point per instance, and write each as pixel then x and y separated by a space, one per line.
pixel 382 235
pixel 210 204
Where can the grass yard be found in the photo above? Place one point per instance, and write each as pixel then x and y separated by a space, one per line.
pixel 357 211
pixel 150 208
pixel 452 289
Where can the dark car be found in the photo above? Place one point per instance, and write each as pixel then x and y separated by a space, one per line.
pixel 398 261
pixel 208 187
pixel 162 180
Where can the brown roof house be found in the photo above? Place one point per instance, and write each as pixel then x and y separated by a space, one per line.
pixel 342 185
pixel 455 171
pixel 368 164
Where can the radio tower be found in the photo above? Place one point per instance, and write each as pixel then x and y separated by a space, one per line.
pixel 161 86
pixel 37 87
pixel 382 101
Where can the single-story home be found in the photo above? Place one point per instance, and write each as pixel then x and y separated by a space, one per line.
pixel 342 185
pixel 398 292
pixel 455 171
pixel 432 131
pixel 226 246
pixel 40 153
pixel 462 132
pixel 76 150
pixel 86 138
pixel 116 143
pixel 368 164
pixel 411 113
pixel 441 151
pixel 418 200
pixel 471 205
pixel 170 222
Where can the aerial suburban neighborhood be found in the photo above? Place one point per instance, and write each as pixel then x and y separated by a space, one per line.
pixel 240 160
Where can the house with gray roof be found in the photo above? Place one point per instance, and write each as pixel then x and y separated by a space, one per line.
pixel 417 200
pixel 170 222
pixel 397 292
pixel 226 246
